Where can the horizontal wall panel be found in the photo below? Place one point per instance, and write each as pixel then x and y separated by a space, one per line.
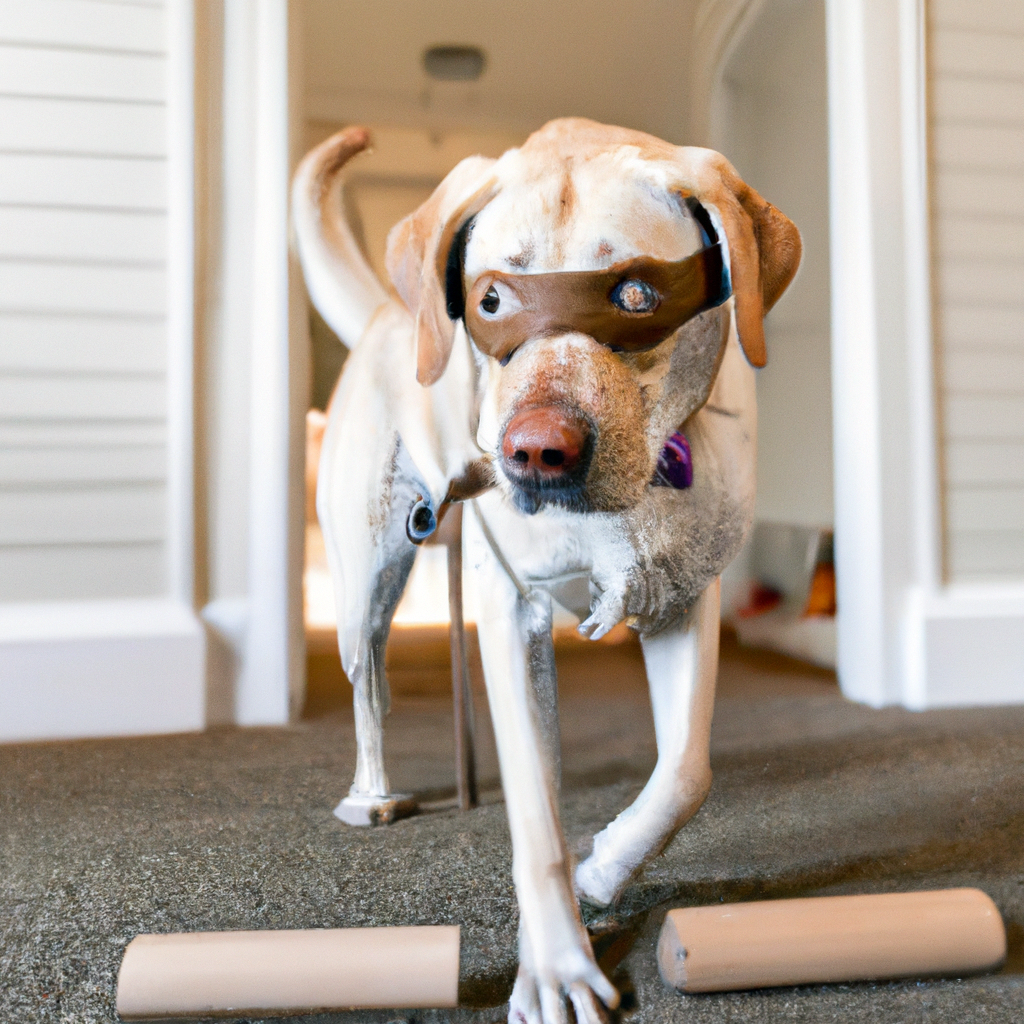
pixel 68 343
pixel 989 370
pixel 78 74
pixel 75 397
pixel 91 182
pixel 977 54
pixel 84 24
pixel 993 555
pixel 978 146
pixel 84 506
pixel 980 325
pixel 115 514
pixel 988 417
pixel 83 235
pixel 26 286
pixel 985 462
pixel 979 101
pixel 987 237
pixel 1000 282
pixel 976 97
pixel 984 15
pixel 28 467
pixel 81 434
pixel 980 192
pixel 69 572
pixel 977 509
pixel 83 127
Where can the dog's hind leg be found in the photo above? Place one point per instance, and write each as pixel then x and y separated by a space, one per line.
pixel 682 664
pixel 556 960
pixel 370 801
pixel 368 485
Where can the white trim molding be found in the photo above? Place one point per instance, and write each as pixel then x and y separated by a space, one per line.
pixel 254 606
pixel 869 351
pixel 181 319
pixel 100 668
pixel 270 688
pixel 965 646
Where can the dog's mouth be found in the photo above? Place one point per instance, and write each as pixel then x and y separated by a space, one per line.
pixel 532 490
pixel 546 453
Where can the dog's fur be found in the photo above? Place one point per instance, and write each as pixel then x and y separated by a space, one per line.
pixel 420 414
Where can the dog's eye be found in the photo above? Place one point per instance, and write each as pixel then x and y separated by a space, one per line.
pixel 490 302
pixel 635 296
pixel 499 301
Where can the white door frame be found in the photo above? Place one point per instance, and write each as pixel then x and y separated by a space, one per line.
pixel 271 685
pixel 905 635
pixel 260 328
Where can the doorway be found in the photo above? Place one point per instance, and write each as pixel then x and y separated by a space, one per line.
pixel 770 118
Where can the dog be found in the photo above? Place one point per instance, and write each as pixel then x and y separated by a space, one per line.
pixel 574 331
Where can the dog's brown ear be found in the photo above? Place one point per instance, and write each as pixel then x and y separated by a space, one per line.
pixel 764 244
pixel 417 260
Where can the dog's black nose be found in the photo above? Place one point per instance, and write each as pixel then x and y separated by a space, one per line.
pixel 544 442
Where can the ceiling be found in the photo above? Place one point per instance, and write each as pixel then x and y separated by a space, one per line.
pixel 622 64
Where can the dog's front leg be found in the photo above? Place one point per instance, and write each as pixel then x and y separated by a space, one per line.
pixel 682 664
pixel 556 959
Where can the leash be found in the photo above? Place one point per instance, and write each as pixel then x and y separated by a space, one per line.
pixel 526 593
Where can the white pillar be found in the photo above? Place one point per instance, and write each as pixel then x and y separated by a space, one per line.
pixel 258 387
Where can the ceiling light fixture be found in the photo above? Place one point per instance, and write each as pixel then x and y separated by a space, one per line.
pixel 454 63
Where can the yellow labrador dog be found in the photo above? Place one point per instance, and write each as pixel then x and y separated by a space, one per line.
pixel 571 353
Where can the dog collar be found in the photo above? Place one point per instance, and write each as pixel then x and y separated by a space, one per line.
pixel 631 306
pixel 675 464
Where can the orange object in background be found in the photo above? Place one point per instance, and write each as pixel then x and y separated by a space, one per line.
pixel 762 599
pixel 821 599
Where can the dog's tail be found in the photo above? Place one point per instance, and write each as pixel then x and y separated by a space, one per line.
pixel 341 283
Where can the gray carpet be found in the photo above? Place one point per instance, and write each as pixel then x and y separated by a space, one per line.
pixel 102 840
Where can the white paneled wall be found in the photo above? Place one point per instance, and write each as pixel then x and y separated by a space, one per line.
pixel 97 632
pixel 83 297
pixel 976 50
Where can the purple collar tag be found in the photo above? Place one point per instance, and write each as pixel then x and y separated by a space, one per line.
pixel 675 464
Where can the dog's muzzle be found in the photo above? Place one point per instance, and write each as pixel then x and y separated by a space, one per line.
pixel 545 455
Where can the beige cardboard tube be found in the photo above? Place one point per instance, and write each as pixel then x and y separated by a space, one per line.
pixel 831 938
pixel 241 974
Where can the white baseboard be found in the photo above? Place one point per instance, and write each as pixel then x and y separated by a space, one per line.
pixel 966 647
pixel 100 668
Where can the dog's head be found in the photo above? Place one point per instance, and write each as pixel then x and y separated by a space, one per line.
pixel 590 267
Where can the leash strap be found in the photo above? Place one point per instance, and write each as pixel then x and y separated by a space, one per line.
pixel 526 593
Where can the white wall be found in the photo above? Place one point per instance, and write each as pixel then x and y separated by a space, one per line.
pixel 977 146
pixel 772 123
pixel 95 630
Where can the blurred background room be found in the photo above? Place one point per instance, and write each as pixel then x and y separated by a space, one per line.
pixel 162 368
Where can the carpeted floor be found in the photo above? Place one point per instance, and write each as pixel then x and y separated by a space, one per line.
pixel 101 840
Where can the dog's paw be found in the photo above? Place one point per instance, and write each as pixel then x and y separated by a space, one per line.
pixel 362 810
pixel 607 613
pixel 597 882
pixel 545 1001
